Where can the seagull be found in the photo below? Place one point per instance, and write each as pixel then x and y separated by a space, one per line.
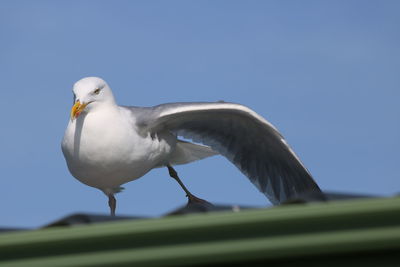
pixel 106 145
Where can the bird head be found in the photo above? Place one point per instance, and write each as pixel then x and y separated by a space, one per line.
pixel 90 93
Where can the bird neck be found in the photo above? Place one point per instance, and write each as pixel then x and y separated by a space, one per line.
pixel 106 106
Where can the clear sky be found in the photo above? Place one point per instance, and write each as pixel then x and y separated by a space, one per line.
pixel 325 73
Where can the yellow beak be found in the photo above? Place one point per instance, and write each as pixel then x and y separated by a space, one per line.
pixel 76 109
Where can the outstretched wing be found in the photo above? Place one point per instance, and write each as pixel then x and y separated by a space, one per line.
pixel 249 141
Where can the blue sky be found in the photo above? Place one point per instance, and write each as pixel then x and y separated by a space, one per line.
pixel 325 73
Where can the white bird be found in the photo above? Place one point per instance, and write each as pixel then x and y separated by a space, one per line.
pixel 106 145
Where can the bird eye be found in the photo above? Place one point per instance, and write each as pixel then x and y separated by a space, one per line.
pixel 97 91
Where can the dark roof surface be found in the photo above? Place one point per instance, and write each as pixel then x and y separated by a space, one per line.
pixel 339 233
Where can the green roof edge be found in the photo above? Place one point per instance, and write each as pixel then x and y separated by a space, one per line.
pixel 284 233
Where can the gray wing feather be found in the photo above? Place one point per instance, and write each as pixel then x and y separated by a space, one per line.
pixel 249 141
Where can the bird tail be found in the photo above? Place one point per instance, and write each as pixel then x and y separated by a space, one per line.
pixel 186 152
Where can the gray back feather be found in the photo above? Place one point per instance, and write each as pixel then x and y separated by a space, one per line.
pixel 238 133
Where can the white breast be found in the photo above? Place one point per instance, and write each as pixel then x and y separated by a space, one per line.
pixel 104 150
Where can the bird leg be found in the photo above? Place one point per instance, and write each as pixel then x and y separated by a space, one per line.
pixel 112 203
pixel 191 198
